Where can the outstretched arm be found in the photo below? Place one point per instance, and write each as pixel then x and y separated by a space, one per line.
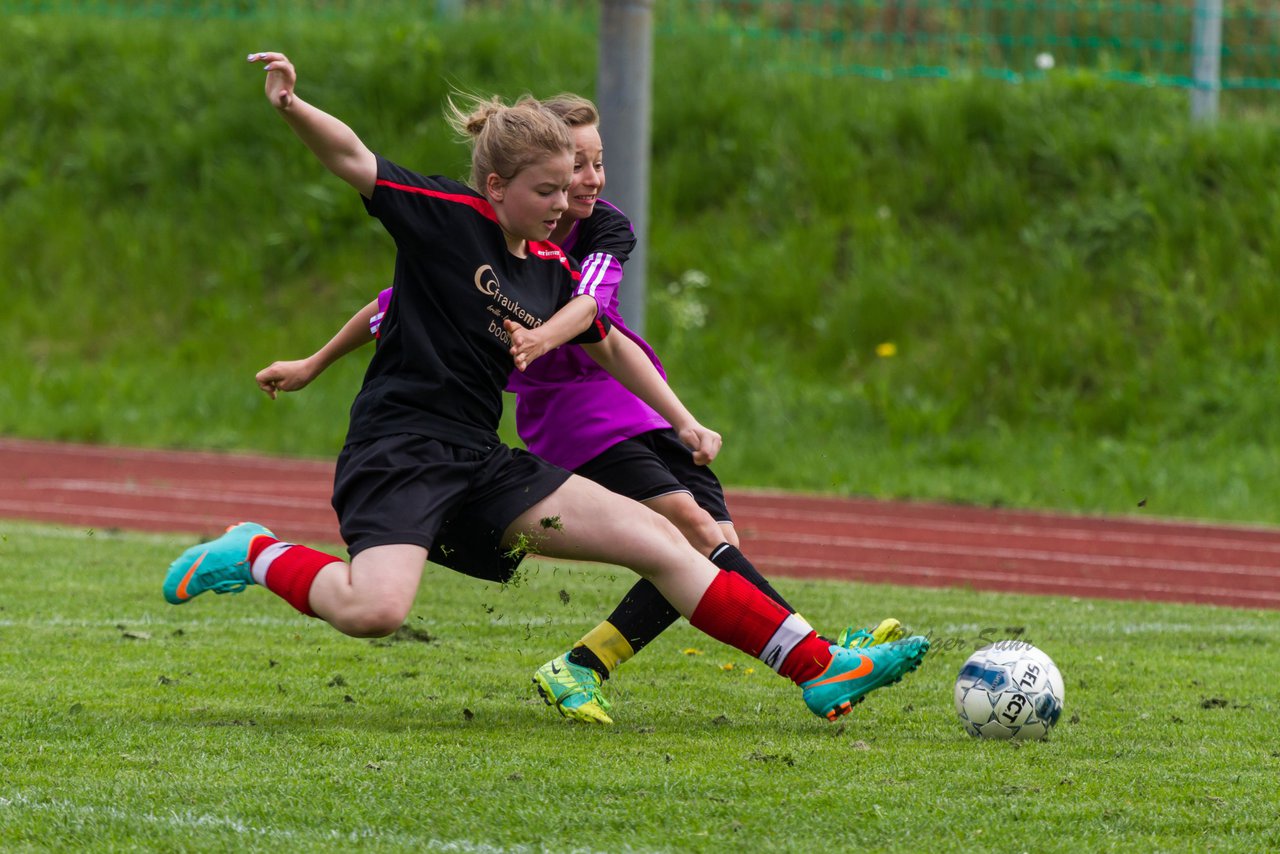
pixel 573 318
pixel 297 374
pixel 623 358
pixel 331 141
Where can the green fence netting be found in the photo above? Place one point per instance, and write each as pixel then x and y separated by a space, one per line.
pixel 1150 43
pixel 1142 42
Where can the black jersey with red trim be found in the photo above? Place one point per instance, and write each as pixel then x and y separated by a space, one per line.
pixel 443 355
pixel 601 244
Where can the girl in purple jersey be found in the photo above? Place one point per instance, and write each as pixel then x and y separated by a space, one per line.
pixel 573 413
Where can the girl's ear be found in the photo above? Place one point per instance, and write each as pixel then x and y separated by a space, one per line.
pixel 494 187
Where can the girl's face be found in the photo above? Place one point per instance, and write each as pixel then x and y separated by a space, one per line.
pixel 588 171
pixel 530 204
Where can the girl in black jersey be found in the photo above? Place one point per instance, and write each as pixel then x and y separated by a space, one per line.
pixel 422 470
pixel 571 412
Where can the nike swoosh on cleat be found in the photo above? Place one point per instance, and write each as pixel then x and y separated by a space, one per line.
pixel 182 585
pixel 862 669
pixel 555 668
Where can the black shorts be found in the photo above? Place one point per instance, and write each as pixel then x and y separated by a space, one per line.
pixel 455 502
pixel 654 464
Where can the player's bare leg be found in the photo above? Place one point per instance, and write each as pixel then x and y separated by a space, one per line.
pixel 369 598
pixel 584 521
pixel 373 595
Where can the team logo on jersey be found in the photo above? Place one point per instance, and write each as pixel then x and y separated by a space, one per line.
pixel 502 306
pixel 486 280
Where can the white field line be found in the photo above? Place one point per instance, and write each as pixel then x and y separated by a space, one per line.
pixel 506 622
pixel 1031 555
pixel 951 630
pixel 186 820
pixel 215 492
pixel 1218 538
pixel 1108 627
pixel 295 623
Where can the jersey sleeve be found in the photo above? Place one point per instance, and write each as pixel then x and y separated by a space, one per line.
pixel 601 275
pixel 606 246
pixel 610 232
pixel 375 322
pixel 408 204
pixel 596 332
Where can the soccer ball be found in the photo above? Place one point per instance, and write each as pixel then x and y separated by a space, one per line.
pixel 1009 689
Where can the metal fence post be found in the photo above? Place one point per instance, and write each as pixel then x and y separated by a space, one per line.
pixel 1206 59
pixel 624 80
pixel 449 10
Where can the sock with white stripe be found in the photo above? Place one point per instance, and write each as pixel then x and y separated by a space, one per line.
pixel 288 570
pixel 735 612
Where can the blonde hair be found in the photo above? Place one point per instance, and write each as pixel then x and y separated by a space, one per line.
pixel 575 110
pixel 507 139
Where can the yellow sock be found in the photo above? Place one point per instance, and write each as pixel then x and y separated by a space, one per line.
pixel 608 645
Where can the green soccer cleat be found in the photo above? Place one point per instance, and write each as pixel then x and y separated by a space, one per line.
pixel 855 673
pixel 574 690
pixel 887 631
pixel 221 565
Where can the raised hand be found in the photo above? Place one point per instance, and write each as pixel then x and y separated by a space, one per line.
pixel 282 79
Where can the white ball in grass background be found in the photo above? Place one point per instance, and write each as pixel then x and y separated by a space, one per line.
pixel 1044 60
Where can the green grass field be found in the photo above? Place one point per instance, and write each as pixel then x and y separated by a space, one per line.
pixel 232 723
pixel 1080 291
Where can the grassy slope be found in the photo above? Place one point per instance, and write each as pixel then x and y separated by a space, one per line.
pixel 1078 285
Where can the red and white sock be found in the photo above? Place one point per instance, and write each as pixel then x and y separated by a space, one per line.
pixel 287 570
pixel 735 612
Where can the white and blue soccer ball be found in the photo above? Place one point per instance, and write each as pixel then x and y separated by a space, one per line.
pixel 1009 689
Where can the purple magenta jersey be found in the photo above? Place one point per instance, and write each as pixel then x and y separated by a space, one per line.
pixel 568 408
pixel 384 302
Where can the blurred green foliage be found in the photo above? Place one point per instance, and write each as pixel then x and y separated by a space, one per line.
pixel 1078 285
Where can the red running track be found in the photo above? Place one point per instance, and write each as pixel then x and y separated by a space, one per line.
pixel 928 545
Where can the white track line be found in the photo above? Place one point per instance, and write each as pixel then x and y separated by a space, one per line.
pixel 1026 555
pixel 1083 533
pixel 270 492
pixel 188 488
pixel 944 577
pixel 109 454
pixel 115 513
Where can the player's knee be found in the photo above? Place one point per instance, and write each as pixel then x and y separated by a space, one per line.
pixel 697 526
pixel 374 620
pixel 667 529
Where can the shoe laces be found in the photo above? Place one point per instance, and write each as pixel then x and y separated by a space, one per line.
pixel 226 579
pixel 852 638
pixel 586 683
pixel 594 696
